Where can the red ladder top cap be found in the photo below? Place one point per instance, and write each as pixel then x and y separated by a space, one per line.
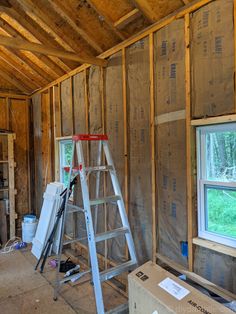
pixel 90 137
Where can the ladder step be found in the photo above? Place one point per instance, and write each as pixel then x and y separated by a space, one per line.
pixel 111 234
pixel 117 270
pixel 103 200
pixel 99 168
pixel 73 209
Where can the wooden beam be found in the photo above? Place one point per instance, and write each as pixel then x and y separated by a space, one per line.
pixel 106 19
pixel 45 16
pixel 18 67
pixel 34 28
pixel 17 31
pixel 127 18
pixel 155 10
pixel 188 143
pixel 152 148
pixel 36 59
pixel 214 120
pixel 223 249
pixel 61 10
pixel 13 96
pixel 28 46
pixel 135 38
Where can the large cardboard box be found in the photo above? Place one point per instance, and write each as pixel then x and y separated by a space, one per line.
pixel 153 290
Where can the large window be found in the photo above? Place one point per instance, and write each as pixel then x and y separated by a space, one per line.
pixel 65 149
pixel 216 147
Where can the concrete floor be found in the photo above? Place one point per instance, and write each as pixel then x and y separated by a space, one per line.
pixel 25 291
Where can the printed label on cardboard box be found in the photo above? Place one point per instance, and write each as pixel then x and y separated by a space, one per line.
pixel 173 288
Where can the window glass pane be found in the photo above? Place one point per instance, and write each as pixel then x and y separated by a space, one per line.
pixel 67 153
pixel 221 156
pixel 220 205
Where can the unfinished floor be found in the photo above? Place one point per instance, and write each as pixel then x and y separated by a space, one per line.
pixel 24 291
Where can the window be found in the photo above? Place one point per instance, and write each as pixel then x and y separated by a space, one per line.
pixel 65 149
pixel 216 150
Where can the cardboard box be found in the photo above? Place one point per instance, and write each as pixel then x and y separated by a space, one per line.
pixel 153 290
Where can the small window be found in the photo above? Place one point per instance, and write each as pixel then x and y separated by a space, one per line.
pixel 65 148
pixel 216 150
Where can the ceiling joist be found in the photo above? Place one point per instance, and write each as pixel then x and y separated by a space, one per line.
pixel 28 46
pixel 127 18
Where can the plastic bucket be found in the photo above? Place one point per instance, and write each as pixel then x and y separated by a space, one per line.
pixel 28 231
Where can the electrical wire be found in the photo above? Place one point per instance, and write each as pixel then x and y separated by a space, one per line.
pixel 9 246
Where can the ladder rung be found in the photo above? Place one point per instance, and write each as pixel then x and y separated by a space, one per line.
pixel 111 234
pixel 73 209
pixel 103 200
pixel 117 270
pixel 99 168
pixel 119 309
pixel 74 240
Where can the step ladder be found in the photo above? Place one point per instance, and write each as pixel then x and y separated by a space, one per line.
pixel 90 205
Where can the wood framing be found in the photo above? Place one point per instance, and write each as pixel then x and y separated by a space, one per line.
pixel 186 113
pixel 12 192
pixel 25 45
pixel 127 18
pixel 188 143
pixel 152 133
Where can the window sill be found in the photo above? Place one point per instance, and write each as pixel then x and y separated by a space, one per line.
pixel 215 246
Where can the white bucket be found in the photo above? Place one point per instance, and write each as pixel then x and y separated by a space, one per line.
pixel 28 231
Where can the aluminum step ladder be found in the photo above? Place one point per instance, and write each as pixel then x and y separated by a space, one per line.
pixel 90 205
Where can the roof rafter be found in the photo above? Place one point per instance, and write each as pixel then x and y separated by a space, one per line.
pixel 18 14
pixel 11 79
pixel 57 25
pixel 79 30
pixel 54 70
pixel 106 19
pixel 26 45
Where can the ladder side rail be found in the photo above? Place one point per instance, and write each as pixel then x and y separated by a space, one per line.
pixel 90 231
pixel 120 203
pixel 63 217
pixel 98 174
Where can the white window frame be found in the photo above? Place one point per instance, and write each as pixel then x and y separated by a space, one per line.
pixel 202 183
pixel 62 164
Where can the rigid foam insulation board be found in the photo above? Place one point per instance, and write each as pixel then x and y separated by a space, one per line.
pixel 216 267
pixel 138 102
pixel 171 189
pixel 170 133
pixel 154 290
pixel 169 63
pixel 212 55
pixel 66 108
pixel 114 117
pixel 95 127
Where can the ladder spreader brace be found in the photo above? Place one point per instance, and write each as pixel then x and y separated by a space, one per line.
pixel 92 236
